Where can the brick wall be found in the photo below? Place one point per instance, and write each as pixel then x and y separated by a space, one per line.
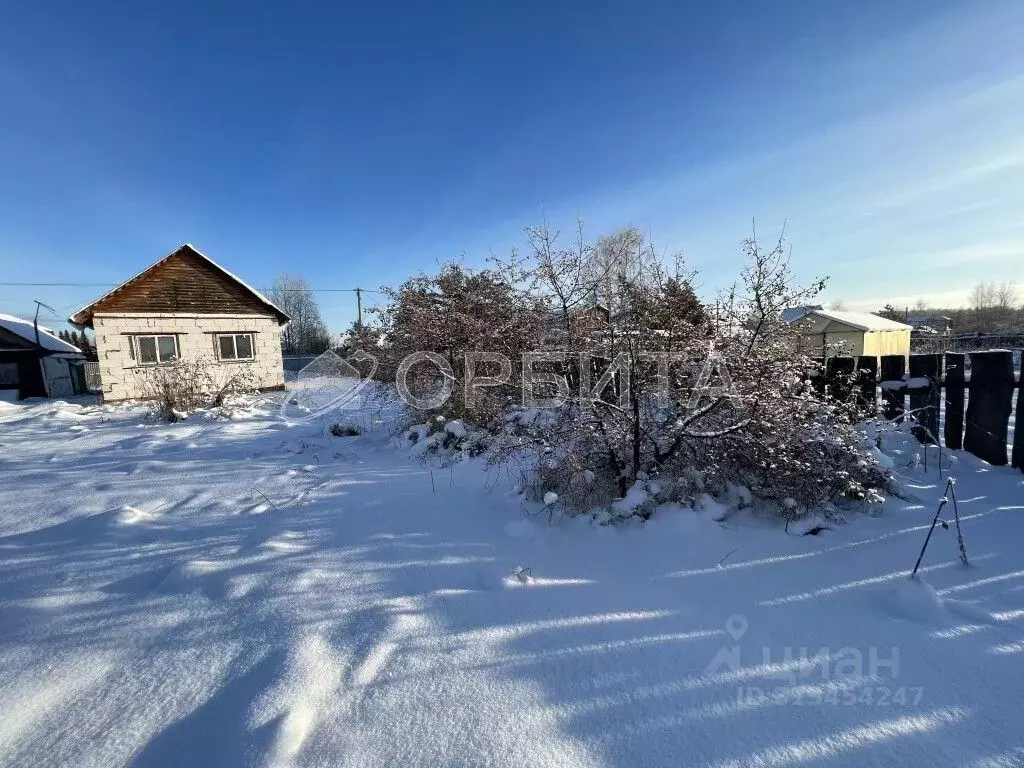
pixel 122 376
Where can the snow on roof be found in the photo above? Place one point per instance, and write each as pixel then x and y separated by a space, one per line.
pixel 792 314
pixel 862 321
pixel 201 255
pixel 26 330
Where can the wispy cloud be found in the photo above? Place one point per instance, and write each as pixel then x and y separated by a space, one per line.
pixel 918 185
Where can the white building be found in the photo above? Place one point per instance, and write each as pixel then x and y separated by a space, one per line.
pixel 184 307
pixel 829 332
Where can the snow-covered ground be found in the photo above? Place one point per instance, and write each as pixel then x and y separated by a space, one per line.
pixel 232 592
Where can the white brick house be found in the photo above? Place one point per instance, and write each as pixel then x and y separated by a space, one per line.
pixel 184 307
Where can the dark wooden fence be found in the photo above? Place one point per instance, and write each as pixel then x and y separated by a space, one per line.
pixel 976 397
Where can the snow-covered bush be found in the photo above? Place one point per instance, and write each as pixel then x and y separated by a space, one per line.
pixel 176 389
pixel 656 390
pixel 184 386
pixel 704 398
pixel 569 484
pixel 448 440
pixel 433 322
pixel 345 430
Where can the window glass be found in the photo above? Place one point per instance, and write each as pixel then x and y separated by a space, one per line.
pixel 147 349
pixel 227 347
pixel 168 349
pixel 243 345
pixel 8 375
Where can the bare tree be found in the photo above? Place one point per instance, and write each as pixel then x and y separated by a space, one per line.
pixel 990 308
pixel 185 385
pixel 994 305
pixel 456 313
pixel 1007 298
pixel 307 333
pixel 613 261
pixel 684 391
pixel 654 394
pixel 563 276
pixel 981 297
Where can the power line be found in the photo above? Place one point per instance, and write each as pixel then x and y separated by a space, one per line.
pixel 59 285
pixel 115 285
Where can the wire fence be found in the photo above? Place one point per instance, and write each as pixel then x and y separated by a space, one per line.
pixel 295 363
pixel 961 343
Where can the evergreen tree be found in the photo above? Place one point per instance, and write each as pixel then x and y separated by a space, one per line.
pixel 890 312
pixel 88 347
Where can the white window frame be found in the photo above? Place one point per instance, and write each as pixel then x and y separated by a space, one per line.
pixel 156 342
pixel 234 346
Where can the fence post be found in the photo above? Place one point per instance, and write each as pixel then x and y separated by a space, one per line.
pixel 1018 430
pixel 818 378
pixel 990 405
pixel 867 384
pixel 954 427
pixel 891 375
pixel 924 400
pixel 838 377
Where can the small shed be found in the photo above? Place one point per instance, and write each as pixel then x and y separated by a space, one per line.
pixel 933 324
pixel 831 332
pixel 35 363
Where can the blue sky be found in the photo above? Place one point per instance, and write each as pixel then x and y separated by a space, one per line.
pixel 356 144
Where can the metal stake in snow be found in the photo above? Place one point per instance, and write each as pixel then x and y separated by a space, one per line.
pixel 951 490
pixel 949 493
pixel 35 322
pixel 928 538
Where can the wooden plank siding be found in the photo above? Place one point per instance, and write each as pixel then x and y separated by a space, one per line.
pixel 192 298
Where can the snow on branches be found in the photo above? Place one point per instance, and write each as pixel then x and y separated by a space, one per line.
pixel 598 365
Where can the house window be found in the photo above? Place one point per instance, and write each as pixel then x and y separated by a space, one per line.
pixel 153 350
pixel 8 375
pixel 235 346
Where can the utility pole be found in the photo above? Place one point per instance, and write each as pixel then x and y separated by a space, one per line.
pixel 359 308
pixel 35 322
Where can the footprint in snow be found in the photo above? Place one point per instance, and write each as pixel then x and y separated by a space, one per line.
pixel 289 541
pixel 487 580
pixel 134 516
pixel 379 633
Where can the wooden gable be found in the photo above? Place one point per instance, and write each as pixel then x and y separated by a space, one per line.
pixel 185 281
